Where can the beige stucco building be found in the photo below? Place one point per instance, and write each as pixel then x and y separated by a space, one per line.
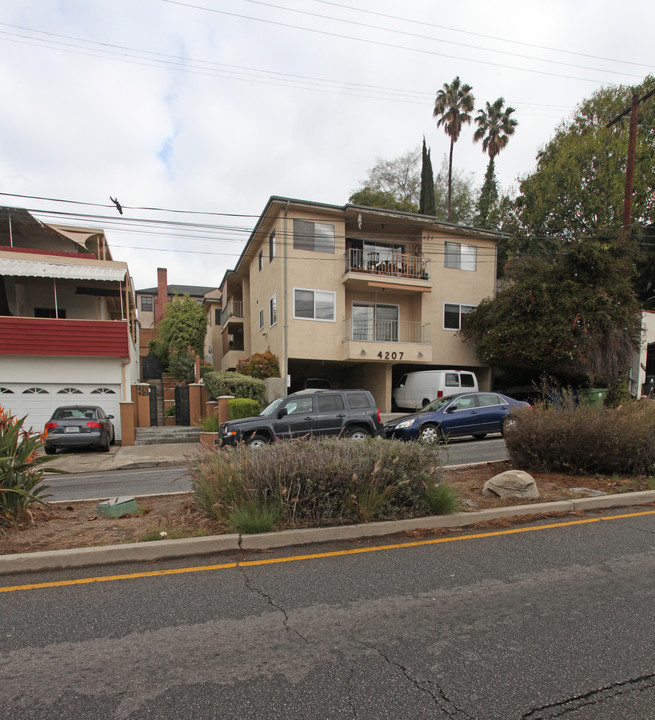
pixel 355 295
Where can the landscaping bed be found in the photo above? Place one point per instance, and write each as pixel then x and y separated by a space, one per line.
pixel 78 524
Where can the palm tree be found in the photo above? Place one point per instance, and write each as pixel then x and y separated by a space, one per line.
pixel 453 106
pixel 494 127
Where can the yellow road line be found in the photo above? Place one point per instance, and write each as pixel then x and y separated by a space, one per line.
pixel 317 556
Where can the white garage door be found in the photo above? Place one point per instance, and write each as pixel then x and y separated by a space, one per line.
pixel 38 400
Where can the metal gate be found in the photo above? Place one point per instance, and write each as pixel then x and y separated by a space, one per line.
pixel 182 409
pixel 150 367
pixel 153 405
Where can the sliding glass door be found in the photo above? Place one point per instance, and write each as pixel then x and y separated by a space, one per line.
pixel 375 322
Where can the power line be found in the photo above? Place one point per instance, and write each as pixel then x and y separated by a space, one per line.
pixel 387 44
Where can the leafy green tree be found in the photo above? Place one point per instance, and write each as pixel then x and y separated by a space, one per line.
pixel 463 195
pixel 427 205
pixel 396 183
pixel 182 331
pixel 570 312
pixel 578 186
pixel 453 106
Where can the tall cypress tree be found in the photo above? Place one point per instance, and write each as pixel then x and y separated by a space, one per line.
pixel 488 199
pixel 426 204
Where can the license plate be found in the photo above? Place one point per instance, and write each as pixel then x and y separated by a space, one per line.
pixel 72 428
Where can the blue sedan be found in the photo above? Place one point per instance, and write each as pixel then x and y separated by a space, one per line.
pixel 476 413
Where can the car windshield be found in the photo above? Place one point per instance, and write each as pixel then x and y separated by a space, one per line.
pixel 270 409
pixel 436 404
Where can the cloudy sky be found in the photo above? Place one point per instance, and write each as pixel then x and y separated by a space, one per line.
pixel 209 107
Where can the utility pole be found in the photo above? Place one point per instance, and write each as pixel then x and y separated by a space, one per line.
pixel 633 111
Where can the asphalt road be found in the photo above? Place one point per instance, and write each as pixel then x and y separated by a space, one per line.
pixel 156 481
pixel 501 625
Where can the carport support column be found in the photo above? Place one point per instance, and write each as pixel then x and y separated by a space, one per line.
pixel 378 381
pixel 127 423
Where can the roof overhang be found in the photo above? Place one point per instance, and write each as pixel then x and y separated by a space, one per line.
pixel 36 268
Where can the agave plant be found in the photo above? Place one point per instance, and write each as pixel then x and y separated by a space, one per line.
pixel 21 470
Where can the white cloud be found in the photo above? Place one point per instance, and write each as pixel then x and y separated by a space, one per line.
pixel 81 123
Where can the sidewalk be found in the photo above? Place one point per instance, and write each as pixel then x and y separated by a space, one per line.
pixel 123 458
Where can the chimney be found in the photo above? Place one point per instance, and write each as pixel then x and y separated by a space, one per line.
pixel 162 294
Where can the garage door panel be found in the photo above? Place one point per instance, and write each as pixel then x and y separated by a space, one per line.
pixel 38 400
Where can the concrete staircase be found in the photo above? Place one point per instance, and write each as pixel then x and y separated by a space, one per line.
pixel 166 435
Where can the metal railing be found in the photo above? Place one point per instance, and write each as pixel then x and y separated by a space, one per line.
pixel 234 309
pixel 399 265
pixel 396 331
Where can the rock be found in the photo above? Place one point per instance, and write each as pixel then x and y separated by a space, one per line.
pixel 512 484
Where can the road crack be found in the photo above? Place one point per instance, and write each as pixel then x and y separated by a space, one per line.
pixel 440 699
pixel 271 602
pixel 592 697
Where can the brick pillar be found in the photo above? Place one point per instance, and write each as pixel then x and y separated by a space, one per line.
pixel 162 294
pixel 195 404
pixel 142 404
pixel 224 408
pixel 127 423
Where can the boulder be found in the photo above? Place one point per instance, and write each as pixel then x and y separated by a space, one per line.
pixel 512 484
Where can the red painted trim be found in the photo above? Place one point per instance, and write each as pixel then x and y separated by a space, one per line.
pixel 75 338
pixel 58 253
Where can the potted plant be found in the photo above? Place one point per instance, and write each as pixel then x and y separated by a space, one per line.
pixel 169 415
pixel 209 430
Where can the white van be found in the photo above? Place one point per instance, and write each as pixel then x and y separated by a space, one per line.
pixel 417 389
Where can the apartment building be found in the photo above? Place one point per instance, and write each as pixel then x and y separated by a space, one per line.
pixel 354 294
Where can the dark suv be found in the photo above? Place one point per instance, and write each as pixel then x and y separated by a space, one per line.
pixel 349 413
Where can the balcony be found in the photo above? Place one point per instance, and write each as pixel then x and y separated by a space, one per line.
pixel 397 270
pixel 387 340
pixel 76 338
pixel 234 309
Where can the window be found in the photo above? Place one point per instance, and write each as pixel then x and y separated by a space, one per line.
pixel 69 391
pixel 260 259
pixel 488 399
pixel 299 406
pixel 261 319
pixel 358 401
pixel 468 380
pixel 6 391
pixel 452 380
pixel 146 303
pixel 103 391
pixel 460 256
pixel 217 316
pixel 452 315
pixel 330 403
pixel 314 304
pixel 271 246
pixel 318 237
pixel 375 322
pixel 35 391
pixel 272 311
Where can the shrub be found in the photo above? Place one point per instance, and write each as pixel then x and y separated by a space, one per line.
pixel 254 517
pixel 584 439
pixel 209 423
pixel 440 499
pixel 231 383
pixel 21 470
pixel 260 365
pixel 243 407
pixel 315 482
pixel 182 365
pixel 170 410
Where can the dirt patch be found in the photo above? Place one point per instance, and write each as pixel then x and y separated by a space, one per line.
pixel 78 524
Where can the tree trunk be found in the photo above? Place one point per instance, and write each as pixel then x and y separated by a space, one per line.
pixel 450 177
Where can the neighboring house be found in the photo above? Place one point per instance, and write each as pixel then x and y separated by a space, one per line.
pixel 152 306
pixel 68 328
pixel 356 295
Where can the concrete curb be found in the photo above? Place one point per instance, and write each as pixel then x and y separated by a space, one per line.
pixel 171 549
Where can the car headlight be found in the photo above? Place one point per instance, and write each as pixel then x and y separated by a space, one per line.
pixel 406 424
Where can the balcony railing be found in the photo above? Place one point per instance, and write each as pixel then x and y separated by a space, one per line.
pixel 397 331
pixel 398 265
pixel 234 309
